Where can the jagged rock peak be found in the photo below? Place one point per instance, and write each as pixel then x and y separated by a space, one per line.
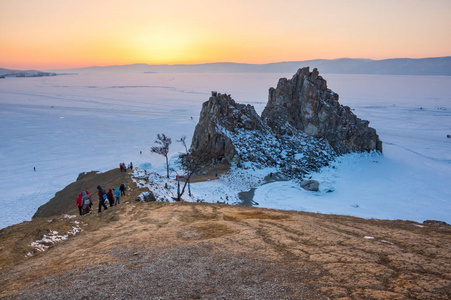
pixel 221 114
pixel 234 132
pixel 305 103
pixel 230 114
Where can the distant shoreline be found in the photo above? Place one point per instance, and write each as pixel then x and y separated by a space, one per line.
pixel 435 66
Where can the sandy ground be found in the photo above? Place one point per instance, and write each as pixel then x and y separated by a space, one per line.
pixel 185 250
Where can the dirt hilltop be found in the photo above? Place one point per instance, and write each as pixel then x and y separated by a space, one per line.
pixel 186 250
pixel 64 200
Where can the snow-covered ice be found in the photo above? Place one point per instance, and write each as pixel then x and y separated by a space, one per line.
pixel 69 124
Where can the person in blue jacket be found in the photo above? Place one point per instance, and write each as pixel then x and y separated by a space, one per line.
pixel 118 195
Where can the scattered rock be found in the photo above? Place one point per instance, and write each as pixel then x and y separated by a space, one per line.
pixel 436 223
pixel 81 175
pixel 148 197
pixel 310 185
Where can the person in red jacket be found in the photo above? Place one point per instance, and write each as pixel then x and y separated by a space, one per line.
pixel 110 197
pixel 79 204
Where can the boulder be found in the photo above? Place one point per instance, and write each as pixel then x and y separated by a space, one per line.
pixel 310 185
pixel 81 175
pixel 436 223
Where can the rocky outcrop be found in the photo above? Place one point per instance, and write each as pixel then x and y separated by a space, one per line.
pixel 304 103
pixel 219 116
pixel 302 128
pixel 235 133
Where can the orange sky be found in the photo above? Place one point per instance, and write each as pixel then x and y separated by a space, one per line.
pixel 50 34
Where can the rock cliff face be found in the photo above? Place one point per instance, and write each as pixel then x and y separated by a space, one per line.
pixel 302 128
pixel 305 103
pixel 235 133
pixel 220 116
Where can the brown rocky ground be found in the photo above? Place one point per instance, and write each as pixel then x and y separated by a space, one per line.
pixel 184 250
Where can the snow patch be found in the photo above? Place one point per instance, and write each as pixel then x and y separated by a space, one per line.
pixel 52 238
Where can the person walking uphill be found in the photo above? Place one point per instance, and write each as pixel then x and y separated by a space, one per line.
pixel 102 198
pixel 110 197
pixel 118 195
pixel 79 204
pixel 122 188
pixel 87 202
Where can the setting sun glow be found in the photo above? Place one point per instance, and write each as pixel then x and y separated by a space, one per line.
pixel 48 34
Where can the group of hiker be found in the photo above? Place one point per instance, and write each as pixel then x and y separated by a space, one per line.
pixel 123 167
pixel 84 201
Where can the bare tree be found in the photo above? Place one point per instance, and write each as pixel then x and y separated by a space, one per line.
pixel 163 149
pixel 183 141
pixel 193 162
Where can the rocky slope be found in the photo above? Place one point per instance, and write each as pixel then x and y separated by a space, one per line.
pixel 211 251
pixel 301 129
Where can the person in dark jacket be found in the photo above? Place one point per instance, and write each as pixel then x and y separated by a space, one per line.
pixel 110 197
pixel 102 197
pixel 122 188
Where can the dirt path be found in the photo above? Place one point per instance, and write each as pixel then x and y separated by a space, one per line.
pixel 65 200
pixel 204 251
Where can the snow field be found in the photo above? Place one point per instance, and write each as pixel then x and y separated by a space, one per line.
pixel 98 121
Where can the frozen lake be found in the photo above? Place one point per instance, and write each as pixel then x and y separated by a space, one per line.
pixel 69 124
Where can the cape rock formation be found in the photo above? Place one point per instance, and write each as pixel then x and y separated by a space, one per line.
pixel 305 103
pixel 302 127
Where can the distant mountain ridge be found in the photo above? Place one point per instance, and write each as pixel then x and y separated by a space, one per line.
pixel 397 66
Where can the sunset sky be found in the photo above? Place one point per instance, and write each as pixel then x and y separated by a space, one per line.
pixel 50 34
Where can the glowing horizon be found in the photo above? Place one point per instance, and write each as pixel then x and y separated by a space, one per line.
pixel 57 34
